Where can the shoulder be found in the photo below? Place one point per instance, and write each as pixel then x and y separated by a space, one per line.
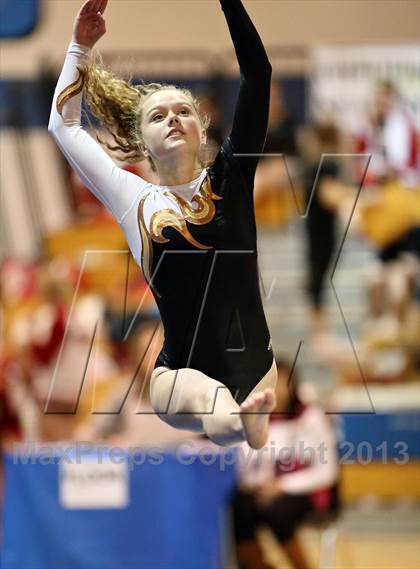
pixel 226 158
pixel 146 194
pixel 229 164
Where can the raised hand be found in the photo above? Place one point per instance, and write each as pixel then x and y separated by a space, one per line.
pixel 89 25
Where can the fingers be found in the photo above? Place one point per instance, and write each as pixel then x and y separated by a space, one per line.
pixel 86 8
pixel 93 7
pixel 94 18
pixel 99 6
pixel 93 21
pixel 103 6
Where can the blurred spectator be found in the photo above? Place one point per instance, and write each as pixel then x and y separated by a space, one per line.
pixel 390 219
pixel 390 137
pixel 10 429
pixel 53 354
pixel 62 352
pixel 390 337
pixel 274 200
pixel 127 417
pixel 324 191
pixel 9 425
pixel 18 409
pixel 391 222
pixel 301 480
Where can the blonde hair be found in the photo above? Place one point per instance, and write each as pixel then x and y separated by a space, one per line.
pixel 118 105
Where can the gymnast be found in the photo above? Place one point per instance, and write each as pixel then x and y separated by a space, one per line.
pixel 193 234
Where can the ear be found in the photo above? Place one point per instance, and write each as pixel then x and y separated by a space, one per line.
pixel 143 149
pixel 203 137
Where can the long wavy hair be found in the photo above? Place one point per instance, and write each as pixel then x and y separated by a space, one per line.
pixel 118 103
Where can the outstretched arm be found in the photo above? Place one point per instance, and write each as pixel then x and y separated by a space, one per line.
pixel 250 121
pixel 114 187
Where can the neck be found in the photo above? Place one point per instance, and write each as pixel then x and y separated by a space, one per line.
pixel 178 171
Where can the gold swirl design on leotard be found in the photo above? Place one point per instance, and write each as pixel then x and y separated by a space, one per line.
pixel 203 213
pixel 70 91
pixel 169 218
pixel 205 210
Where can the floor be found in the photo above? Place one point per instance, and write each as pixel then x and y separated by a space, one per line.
pixel 368 537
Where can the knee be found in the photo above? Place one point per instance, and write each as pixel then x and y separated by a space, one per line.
pixel 160 397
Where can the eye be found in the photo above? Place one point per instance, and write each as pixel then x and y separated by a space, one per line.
pixel 185 111
pixel 157 116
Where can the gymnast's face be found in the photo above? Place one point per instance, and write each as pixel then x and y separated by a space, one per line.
pixel 170 126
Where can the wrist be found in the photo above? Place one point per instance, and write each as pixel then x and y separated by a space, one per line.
pixel 78 48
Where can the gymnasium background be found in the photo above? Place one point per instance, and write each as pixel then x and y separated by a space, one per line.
pixel 77 319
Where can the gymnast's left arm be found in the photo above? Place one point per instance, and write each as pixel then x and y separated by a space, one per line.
pixel 249 129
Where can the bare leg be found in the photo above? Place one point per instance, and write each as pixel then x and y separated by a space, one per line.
pixel 189 399
pixel 250 555
pixel 295 553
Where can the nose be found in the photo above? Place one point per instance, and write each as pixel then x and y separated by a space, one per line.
pixel 173 118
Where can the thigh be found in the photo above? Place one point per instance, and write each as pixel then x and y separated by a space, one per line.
pixel 181 396
pixel 286 513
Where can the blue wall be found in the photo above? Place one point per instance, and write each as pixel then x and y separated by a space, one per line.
pixel 18 17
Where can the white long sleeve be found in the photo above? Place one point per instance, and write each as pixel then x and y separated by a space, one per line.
pixel 114 187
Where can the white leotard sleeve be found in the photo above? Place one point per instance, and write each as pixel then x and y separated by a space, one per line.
pixel 114 187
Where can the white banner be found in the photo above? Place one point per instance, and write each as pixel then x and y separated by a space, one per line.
pixel 343 80
pixel 91 485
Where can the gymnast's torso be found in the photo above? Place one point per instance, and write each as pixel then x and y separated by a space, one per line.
pixel 195 243
pixel 200 259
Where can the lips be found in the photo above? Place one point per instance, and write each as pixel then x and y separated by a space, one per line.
pixel 175 131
